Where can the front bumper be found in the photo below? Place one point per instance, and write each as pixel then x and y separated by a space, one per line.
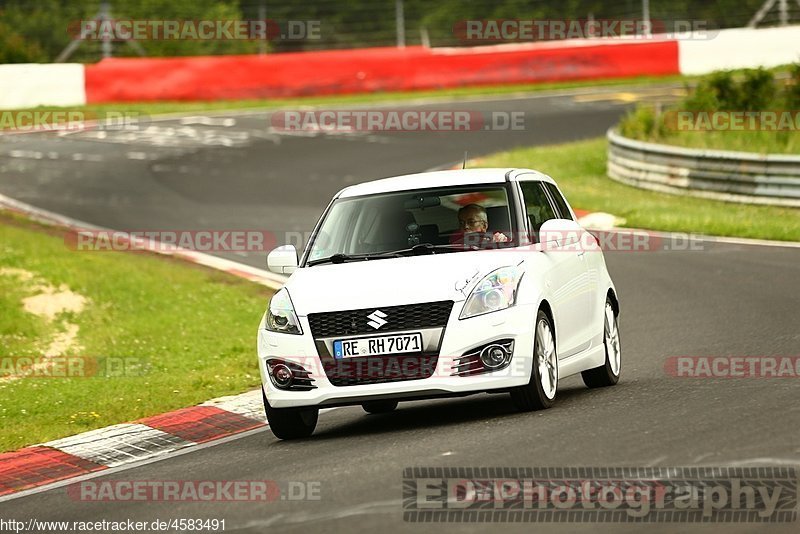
pixel 460 336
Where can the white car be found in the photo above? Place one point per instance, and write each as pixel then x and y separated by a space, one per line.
pixel 437 284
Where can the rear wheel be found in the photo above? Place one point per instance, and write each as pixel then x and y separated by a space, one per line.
pixel 375 407
pixel 291 423
pixel 540 392
pixel 608 373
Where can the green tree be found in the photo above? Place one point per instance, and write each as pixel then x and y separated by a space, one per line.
pixel 15 49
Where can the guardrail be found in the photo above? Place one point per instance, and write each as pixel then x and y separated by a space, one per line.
pixel 743 177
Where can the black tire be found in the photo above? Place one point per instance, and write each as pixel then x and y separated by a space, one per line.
pixel 291 423
pixel 531 396
pixel 375 407
pixel 604 376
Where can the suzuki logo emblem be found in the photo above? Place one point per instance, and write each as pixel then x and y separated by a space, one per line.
pixel 376 319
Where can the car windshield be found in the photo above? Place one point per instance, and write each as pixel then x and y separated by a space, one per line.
pixel 431 220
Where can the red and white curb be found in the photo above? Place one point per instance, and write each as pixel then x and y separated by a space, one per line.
pixel 129 443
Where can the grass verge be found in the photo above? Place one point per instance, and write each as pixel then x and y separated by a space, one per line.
pixel 580 170
pixel 161 334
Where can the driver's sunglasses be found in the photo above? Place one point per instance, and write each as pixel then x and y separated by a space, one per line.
pixel 470 222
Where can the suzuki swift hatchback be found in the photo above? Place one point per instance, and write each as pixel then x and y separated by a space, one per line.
pixel 437 284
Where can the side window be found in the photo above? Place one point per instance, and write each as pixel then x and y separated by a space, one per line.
pixel 561 204
pixel 537 206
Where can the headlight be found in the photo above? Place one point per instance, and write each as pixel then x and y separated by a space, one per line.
pixel 281 316
pixel 497 291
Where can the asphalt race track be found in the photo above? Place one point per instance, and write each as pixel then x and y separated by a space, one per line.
pixel 233 172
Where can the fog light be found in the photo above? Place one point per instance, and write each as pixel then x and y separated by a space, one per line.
pixel 494 356
pixel 282 375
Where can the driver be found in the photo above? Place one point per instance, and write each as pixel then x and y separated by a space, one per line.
pixel 473 227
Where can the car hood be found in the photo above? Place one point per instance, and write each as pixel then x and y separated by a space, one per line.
pixel 393 281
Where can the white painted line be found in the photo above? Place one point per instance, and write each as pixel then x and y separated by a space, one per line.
pixel 30 154
pixel 208 121
pixel 768 462
pixel 598 221
pixel 713 239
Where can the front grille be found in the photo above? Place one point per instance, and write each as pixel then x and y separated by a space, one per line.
pixel 380 369
pixel 406 317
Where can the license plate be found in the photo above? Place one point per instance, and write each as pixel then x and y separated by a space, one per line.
pixel 377 346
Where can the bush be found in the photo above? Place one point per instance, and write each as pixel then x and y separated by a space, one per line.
pixel 716 92
pixel 792 91
pixel 643 123
pixel 14 49
pixel 748 90
pixel 757 91
pixel 721 92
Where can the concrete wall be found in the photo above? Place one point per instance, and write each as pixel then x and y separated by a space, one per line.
pixel 740 48
pixel 28 85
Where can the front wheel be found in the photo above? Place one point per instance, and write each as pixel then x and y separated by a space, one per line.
pixel 291 423
pixel 540 392
pixel 608 373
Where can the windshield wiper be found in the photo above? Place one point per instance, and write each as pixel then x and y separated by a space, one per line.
pixel 339 258
pixel 416 250
pixel 428 248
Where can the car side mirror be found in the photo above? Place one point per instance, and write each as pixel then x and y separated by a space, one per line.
pixel 282 260
pixel 562 231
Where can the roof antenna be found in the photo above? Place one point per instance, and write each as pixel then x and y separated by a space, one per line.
pixel 464 166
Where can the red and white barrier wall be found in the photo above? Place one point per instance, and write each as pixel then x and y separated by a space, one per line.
pixel 360 71
pixel 388 69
